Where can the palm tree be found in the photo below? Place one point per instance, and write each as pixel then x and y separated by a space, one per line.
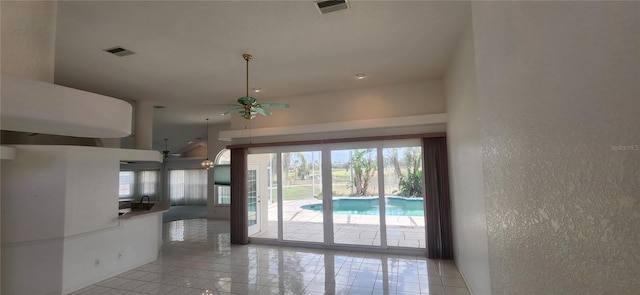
pixel 411 183
pixel 286 163
pixel 363 169
pixel 391 159
pixel 303 168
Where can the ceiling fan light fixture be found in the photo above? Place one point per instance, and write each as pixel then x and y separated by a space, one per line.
pixel 248 114
pixel 248 106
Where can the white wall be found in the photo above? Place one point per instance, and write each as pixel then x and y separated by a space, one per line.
pixel 28 45
pixel 90 193
pixel 471 251
pixel 28 38
pixel 558 97
pixel 133 243
pixel 60 216
pixel 408 99
pixel 41 262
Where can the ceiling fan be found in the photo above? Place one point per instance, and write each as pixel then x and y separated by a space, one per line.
pixel 248 106
pixel 166 153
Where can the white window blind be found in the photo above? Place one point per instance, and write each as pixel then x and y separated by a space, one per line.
pixel 188 187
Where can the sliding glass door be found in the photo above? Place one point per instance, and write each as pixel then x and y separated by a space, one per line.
pixel 354 197
pixel 361 194
pixel 403 190
pixel 302 211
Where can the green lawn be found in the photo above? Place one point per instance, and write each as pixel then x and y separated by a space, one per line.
pixel 302 189
pixel 340 175
pixel 298 192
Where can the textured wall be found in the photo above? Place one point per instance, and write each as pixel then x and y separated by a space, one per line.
pixel 465 168
pixel 558 97
pixel 28 38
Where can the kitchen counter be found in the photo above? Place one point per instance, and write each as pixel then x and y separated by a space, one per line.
pixel 158 207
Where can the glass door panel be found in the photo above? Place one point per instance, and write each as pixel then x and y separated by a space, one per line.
pixel 302 196
pixel 356 211
pixel 253 203
pixel 267 194
pixel 404 197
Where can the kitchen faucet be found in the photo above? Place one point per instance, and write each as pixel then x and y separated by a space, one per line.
pixel 148 199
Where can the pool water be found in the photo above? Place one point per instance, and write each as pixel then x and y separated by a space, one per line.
pixel 395 206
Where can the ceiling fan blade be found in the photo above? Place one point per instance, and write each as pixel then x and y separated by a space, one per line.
pixel 247 100
pixel 262 111
pixel 221 104
pixel 231 110
pixel 167 154
pixel 275 105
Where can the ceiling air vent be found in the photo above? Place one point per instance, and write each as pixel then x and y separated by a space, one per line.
pixel 119 51
pixel 326 6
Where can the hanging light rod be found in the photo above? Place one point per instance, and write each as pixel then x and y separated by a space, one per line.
pixel 247 57
pixel 207 164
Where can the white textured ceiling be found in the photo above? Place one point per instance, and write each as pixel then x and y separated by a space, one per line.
pixel 189 54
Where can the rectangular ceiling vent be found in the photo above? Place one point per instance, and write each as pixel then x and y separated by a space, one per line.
pixel 119 51
pixel 326 6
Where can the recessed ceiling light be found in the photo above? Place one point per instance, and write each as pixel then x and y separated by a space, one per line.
pixel 256 89
pixel 361 76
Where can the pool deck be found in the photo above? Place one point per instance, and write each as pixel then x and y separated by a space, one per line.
pixel 307 225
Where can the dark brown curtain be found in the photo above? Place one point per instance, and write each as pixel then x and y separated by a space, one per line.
pixel 437 204
pixel 239 229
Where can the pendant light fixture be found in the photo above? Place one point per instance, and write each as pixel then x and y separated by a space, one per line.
pixel 207 164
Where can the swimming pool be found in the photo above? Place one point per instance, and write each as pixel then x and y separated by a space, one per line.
pixel 395 206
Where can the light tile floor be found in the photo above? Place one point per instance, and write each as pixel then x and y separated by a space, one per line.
pixel 197 259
